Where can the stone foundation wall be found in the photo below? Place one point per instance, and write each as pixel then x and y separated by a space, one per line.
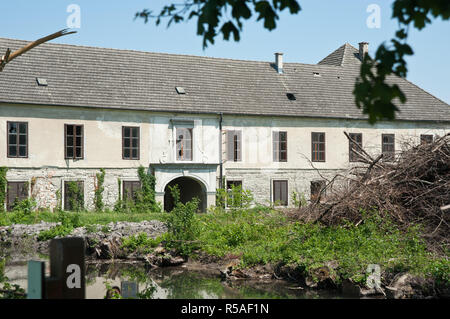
pixel 46 184
pixel 259 181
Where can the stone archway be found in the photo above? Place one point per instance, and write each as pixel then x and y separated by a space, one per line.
pixel 189 188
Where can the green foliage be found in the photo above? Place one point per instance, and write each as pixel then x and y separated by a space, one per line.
pixel 261 236
pixel 69 221
pixel 140 243
pixel 76 197
pixel 144 200
pixel 372 93
pixel 234 198
pixel 98 199
pixel 182 224
pixel 24 212
pixel 213 17
pixel 440 271
pixel 8 291
pixel 3 185
pixel 299 200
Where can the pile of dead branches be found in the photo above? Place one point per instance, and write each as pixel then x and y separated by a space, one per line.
pixel 415 188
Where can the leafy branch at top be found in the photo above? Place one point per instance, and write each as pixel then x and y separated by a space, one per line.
pixel 210 14
pixel 373 93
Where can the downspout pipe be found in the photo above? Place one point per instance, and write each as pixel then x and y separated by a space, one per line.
pixel 220 150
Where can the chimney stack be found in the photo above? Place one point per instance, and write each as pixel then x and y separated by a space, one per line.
pixel 363 49
pixel 279 62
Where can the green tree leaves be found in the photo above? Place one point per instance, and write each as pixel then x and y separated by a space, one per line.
pixel 213 16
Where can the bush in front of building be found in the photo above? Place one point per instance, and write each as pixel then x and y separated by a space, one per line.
pixel 182 224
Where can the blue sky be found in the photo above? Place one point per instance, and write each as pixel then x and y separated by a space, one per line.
pixel 320 28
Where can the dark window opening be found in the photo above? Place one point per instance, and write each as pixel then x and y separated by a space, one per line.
pixel 73 137
pixel 316 188
pixel 73 195
pixel 234 146
pixel 356 139
pixel 16 192
pixel 388 147
pixel 426 138
pixel 17 139
pixel 130 143
pixel 318 147
pixel 234 192
pixel 280 193
pixel 280 146
pixel 130 190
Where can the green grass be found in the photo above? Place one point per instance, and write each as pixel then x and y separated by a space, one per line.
pixel 85 218
pixel 262 236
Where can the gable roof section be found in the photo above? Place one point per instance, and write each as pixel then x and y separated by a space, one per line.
pixel 345 55
pixel 123 79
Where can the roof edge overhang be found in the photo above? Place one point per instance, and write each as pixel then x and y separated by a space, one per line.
pixel 150 110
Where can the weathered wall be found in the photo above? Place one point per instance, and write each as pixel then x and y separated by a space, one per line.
pixel 103 149
pixel 46 183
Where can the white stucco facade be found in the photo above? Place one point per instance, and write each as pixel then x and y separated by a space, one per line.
pixel 45 168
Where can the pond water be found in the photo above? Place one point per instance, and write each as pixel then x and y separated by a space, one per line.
pixel 175 283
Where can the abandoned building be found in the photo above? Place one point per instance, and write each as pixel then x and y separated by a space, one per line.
pixel 67 111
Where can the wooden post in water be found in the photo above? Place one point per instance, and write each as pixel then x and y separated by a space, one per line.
pixel 36 280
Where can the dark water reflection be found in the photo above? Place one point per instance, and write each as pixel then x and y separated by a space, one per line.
pixel 177 283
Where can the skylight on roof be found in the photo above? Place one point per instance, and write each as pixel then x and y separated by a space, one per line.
pixel 180 90
pixel 316 73
pixel 41 82
pixel 291 96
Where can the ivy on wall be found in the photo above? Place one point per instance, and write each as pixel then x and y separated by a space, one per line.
pixel 98 200
pixel 3 185
pixel 145 199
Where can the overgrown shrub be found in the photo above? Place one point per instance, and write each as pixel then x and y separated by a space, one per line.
pixel 69 221
pixel 182 224
pixel 140 243
pixel 75 196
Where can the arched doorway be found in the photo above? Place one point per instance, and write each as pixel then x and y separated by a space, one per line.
pixel 189 188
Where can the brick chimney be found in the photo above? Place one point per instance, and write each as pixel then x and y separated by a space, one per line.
pixel 363 49
pixel 279 62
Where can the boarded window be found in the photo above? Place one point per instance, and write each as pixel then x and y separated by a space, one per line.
pixel 280 193
pixel 16 192
pixel 73 195
pixel 356 140
pixel 426 138
pixel 17 136
pixel 316 188
pixel 130 143
pixel 279 146
pixel 234 193
pixel 73 137
pixel 318 147
pixel 184 144
pixel 234 148
pixel 130 190
pixel 388 147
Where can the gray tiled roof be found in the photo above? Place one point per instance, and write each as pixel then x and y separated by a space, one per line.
pixel 98 77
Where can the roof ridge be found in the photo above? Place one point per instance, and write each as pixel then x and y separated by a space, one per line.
pixel 138 51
